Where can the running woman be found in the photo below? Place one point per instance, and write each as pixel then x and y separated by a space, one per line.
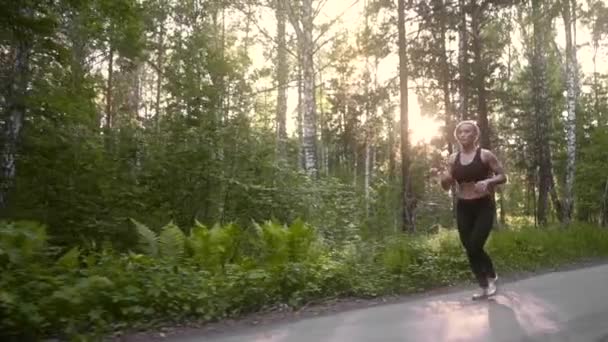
pixel 474 172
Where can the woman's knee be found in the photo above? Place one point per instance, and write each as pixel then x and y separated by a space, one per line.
pixel 475 253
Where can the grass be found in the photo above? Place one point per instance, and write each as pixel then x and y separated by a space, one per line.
pixel 212 274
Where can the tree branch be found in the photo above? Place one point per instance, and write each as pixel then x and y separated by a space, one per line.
pixel 322 4
pixel 267 90
pixel 295 22
pixel 264 32
pixel 334 21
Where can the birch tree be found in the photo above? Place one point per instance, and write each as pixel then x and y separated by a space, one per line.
pixel 569 17
pixel 408 200
pixel 282 74
pixel 301 18
pixel 14 111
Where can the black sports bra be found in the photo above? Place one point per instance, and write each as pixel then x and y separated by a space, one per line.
pixel 474 171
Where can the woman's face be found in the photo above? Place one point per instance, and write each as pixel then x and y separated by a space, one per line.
pixel 466 134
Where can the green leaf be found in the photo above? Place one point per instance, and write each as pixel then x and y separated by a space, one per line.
pixel 148 239
pixel 70 259
pixel 172 242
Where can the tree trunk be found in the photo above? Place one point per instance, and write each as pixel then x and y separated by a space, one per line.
pixel 391 149
pixel 303 25
pixel 596 85
pixel 324 140
pixel 282 73
pixel 109 88
pixel 568 11
pixel 604 220
pixel 78 49
pixel 480 78
pixel 541 102
pixel 355 166
pixel 463 61
pixel 557 205
pixel 14 116
pixel 446 78
pixel 367 126
pixel 159 75
pixel 367 175
pixel 503 213
pixel 534 208
pixel 408 200
pixel 300 119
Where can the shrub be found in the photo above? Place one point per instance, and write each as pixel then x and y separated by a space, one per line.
pixel 225 271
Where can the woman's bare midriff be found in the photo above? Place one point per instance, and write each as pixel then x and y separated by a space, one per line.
pixel 467 191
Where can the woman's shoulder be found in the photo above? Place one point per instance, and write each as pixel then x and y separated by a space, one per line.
pixel 486 154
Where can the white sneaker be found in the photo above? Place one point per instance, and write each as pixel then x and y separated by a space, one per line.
pixel 487 291
pixel 491 289
pixel 481 295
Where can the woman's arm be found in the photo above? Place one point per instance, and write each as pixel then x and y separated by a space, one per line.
pixel 446 178
pixel 500 176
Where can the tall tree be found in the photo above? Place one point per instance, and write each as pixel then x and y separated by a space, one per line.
pixel 408 200
pixel 569 16
pixel 446 74
pixel 477 18
pixel 541 25
pixel 301 18
pixel 282 75
pixel 14 112
pixel 463 61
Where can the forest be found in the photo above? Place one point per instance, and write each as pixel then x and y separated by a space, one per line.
pixel 170 161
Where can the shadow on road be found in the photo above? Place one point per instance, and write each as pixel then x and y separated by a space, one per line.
pixel 520 317
pixel 503 324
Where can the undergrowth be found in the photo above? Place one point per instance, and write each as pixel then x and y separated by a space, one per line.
pixel 210 273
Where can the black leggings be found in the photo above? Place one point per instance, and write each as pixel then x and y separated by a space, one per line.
pixel 475 218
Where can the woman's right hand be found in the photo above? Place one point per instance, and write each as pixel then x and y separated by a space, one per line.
pixel 446 180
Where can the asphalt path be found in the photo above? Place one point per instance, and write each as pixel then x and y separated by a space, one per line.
pixel 554 307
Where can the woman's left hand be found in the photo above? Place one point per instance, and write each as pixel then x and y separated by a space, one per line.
pixel 481 186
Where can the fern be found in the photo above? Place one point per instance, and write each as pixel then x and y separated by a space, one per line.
pixel 275 237
pixel 148 241
pixel 69 260
pixel 214 248
pixel 172 242
pixel 223 243
pixel 21 241
pixel 197 244
pixel 302 241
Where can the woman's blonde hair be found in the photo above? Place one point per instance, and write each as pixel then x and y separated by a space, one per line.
pixel 468 122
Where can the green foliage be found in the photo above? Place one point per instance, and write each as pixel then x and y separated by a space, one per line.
pixel 591 176
pixel 204 160
pixel 147 239
pixel 20 242
pixel 84 293
pixel 171 242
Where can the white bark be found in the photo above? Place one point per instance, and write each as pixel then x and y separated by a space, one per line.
pixel 572 87
pixel 13 121
pixel 303 26
pixel 159 74
pixel 282 75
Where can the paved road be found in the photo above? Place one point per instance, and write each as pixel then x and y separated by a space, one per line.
pixel 563 306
